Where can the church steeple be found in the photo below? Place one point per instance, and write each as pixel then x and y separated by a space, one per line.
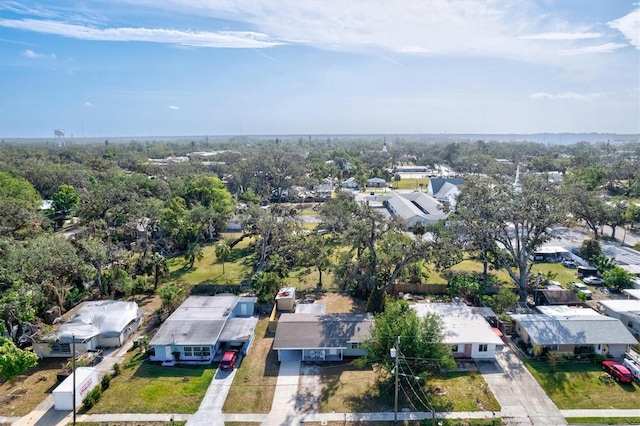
pixel 517 188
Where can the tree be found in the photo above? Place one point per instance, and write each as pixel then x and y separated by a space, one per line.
pixel 19 204
pixel 14 361
pixel 465 286
pixel 194 252
pixel 519 221
pixel 603 263
pixel 157 266
pixel 501 301
pixel 171 295
pixel 223 251
pixel 65 200
pixel 617 277
pixel 589 249
pixel 420 339
pixel 584 204
pixel 266 285
pixel 315 251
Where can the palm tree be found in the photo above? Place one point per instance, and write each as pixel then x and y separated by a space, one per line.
pixel 193 253
pixel 222 253
pixel 157 267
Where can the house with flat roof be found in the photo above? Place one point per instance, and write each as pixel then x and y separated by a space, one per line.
pixel 572 331
pixel 558 296
pixel 627 311
pixel 321 337
pixel 203 327
pixel 414 207
pixel 93 325
pixel 465 329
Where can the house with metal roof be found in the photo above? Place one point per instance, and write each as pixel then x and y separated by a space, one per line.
pixel 203 327
pixel 414 207
pixel 93 325
pixel 376 183
pixel 572 331
pixel 465 330
pixel 321 337
pixel 627 311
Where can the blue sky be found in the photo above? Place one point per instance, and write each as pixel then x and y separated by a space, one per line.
pixel 204 67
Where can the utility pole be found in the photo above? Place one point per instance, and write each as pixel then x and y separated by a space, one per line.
pixel 395 353
pixel 73 372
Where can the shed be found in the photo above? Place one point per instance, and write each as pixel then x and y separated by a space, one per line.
pixel 286 299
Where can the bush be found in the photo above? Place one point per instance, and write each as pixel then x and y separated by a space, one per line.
pixel 92 397
pixel 116 369
pixel 105 382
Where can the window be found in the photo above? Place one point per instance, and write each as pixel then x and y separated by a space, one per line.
pixel 483 348
pixel 64 348
pixel 454 348
pixel 355 345
pixel 199 351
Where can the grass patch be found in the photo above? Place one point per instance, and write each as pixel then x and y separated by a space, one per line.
pixel 562 274
pixel 603 420
pixel 30 389
pixel 254 385
pixel 347 388
pixel 584 386
pixel 411 183
pixel 157 389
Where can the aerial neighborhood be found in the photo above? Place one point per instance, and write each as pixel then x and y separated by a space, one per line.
pixel 320 280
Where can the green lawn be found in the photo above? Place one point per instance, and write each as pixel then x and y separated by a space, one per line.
pixel 603 420
pixel 562 274
pixel 584 385
pixel 414 184
pixel 145 387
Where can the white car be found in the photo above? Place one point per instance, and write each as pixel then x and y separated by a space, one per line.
pixel 581 288
pixel 591 280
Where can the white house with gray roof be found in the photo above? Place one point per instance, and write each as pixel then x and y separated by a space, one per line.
pixel 466 331
pixel 203 327
pixel 414 207
pixel 445 189
pixel 572 331
pixel 321 337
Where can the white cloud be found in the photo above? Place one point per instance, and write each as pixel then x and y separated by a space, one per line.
pixel 561 36
pixel 567 96
pixel 88 104
pixel 173 107
pixel 33 55
pixel 224 39
pixel 629 26
pixel 599 48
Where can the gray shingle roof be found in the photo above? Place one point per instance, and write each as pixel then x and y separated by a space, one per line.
pixel 312 331
pixel 578 330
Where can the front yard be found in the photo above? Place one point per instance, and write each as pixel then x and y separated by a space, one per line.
pixel 584 386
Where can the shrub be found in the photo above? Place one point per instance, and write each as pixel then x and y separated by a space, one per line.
pixel 105 382
pixel 116 369
pixel 92 397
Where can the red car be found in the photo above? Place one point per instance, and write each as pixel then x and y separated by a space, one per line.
pixel 229 360
pixel 618 371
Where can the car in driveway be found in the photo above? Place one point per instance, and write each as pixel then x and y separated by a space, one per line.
pixel 568 263
pixel 593 280
pixel 229 360
pixel 581 288
pixel 619 372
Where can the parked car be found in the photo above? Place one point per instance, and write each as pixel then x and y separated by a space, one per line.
pixel 593 280
pixel 619 372
pixel 568 263
pixel 229 360
pixel 581 288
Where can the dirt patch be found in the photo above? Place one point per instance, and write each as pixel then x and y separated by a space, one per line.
pixel 334 302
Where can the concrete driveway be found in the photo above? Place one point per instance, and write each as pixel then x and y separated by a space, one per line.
pixel 210 411
pixel 522 399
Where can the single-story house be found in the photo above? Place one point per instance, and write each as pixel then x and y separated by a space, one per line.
pixel 350 183
pixel 93 325
pixel 323 190
pixel 445 189
pixel 572 331
pixel 465 330
pixel 556 297
pixel 376 183
pixel 551 254
pixel 321 337
pixel 627 311
pixel 203 327
pixel 414 207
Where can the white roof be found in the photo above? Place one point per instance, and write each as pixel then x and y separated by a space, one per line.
pixel 82 373
pixel 633 292
pixel 461 324
pixel 564 310
pixel 630 305
pixel 107 318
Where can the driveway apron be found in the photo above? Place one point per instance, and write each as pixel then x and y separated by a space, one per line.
pixel 522 399
pixel 210 411
pixel 283 409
